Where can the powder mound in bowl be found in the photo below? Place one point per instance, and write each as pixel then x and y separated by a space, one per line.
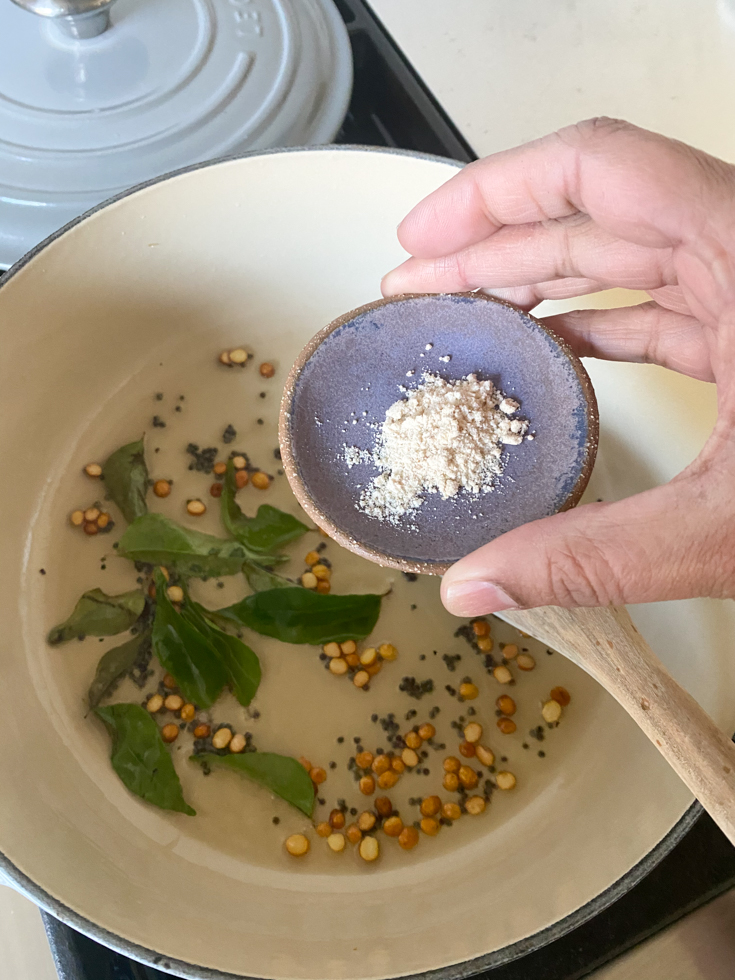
pixel 445 436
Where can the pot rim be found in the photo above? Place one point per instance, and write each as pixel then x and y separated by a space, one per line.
pixel 190 971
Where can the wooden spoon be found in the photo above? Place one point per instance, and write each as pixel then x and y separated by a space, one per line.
pixel 606 644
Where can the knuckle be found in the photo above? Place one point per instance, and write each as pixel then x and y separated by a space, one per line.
pixel 564 259
pixel 602 126
pixel 592 130
pixel 456 268
pixel 580 574
pixel 606 124
pixel 571 222
pixel 652 341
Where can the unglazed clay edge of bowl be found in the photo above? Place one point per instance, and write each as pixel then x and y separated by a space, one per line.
pixel 323 520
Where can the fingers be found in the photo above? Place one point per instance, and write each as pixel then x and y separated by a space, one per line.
pixel 644 334
pixel 529 183
pixel 522 255
pixel 667 543
pixel 635 184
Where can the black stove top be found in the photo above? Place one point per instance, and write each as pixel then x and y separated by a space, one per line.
pixel 392 107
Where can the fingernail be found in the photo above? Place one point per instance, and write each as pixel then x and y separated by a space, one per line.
pixel 476 598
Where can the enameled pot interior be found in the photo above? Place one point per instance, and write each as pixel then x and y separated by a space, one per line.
pixel 138 299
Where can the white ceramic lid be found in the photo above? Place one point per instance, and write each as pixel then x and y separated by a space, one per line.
pixel 170 83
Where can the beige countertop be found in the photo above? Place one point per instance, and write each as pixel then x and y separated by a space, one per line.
pixel 507 72
pixel 24 950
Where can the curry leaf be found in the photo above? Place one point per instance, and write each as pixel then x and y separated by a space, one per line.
pixel 158 540
pixel 261 579
pixel 140 757
pixel 280 774
pixel 126 480
pixel 185 653
pixel 297 615
pixel 99 614
pixel 268 531
pixel 114 664
pixel 240 662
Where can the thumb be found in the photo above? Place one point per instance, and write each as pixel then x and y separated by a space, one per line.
pixel 667 543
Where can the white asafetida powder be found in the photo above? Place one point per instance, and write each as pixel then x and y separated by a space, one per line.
pixel 443 437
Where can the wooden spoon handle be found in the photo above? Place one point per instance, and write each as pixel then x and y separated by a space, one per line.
pixel 607 645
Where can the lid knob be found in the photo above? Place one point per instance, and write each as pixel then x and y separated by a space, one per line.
pixel 76 18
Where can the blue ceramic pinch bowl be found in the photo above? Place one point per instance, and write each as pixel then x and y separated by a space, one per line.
pixel 353 370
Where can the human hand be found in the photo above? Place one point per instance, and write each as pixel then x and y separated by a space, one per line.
pixel 598 205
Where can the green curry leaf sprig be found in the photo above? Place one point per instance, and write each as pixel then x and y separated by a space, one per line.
pixel 191 642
